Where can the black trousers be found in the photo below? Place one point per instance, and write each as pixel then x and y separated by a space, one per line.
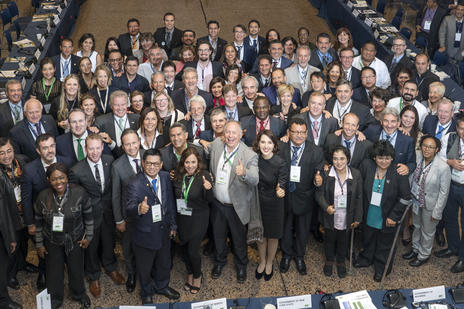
pixel 377 245
pixel 4 259
pixel 153 266
pixel 100 250
pixel 335 244
pixel 225 219
pixel 127 249
pixel 55 260
pixel 296 231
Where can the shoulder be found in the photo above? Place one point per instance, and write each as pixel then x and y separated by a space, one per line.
pixel 104 118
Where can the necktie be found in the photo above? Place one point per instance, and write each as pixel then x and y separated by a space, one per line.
pixel 16 114
pixel 80 150
pixel 393 64
pixel 231 115
pixel 239 49
pixel 38 129
pixel 66 68
pixel 266 82
pixel 325 61
pixel 169 90
pixel 348 144
pixel 153 182
pixel 255 45
pixel 261 125
pixel 303 76
pixel 97 177
pixel 315 130
pixel 295 149
pixel 137 166
pixel 274 64
pixel 168 38
pixel 388 137
pixel 134 42
pixel 121 126
pixel 198 131
pixel 440 131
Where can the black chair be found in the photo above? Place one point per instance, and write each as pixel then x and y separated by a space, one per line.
pixel 406 32
pixel 396 22
pixel 9 39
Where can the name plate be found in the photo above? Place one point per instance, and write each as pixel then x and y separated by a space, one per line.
pixel 32 68
pixel 65 3
pixel 376 34
pixel 37 54
pixel 349 4
pixel 42 41
pixel 56 20
pixel 428 294
pixel 368 22
pixel 59 9
pixel 23 82
pixel 220 303
pixel 294 302
pixel 43 300
pixel 355 13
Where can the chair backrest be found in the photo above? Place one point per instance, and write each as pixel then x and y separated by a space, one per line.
pixel 35 3
pixel 6 17
pixel 422 41
pixel 396 22
pixel 381 6
pixel 399 12
pixel 13 8
pixel 406 32
pixel 9 39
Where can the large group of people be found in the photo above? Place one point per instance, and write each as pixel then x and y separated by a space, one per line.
pixel 167 140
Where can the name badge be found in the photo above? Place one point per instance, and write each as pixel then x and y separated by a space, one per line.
pixel 415 190
pixel 341 202
pixel 295 172
pixel 221 177
pixel 156 213
pixel 17 192
pixel 415 206
pixel 457 37
pixel 427 25
pixel 376 199
pixel 58 223
pixel 182 208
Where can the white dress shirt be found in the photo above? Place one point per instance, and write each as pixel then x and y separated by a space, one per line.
pixel 118 130
pixel 221 190
pixel 398 104
pixel 99 165
pixel 381 71
pixel 75 142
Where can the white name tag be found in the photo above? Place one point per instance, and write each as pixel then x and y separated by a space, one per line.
pixel 156 213
pixel 182 207
pixel 42 40
pixel 427 25
pixel 221 177
pixel 294 302
pixel 341 201
pixel 428 294
pixel 58 223
pixel 415 206
pixel 376 199
pixel 295 172
pixel 415 189
pixel 457 37
pixel 17 191
pixel 355 13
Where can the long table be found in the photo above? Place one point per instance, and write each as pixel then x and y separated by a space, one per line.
pixel 51 46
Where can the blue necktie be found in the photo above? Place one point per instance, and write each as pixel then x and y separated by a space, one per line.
pixel 66 69
pixel 440 131
pixel 295 149
pixel 348 144
pixel 153 182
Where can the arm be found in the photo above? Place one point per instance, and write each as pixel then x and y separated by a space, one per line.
pixel 87 217
pixel 442 35
pixel 132 199
pixel 39 224
pixel 116 195
pixel 358 206
pixel 171 207
pixel 251 176
pixel 411 163
pixel 26 198
pixel 445 180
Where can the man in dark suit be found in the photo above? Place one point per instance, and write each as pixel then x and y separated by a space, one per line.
pixel 254 40
pixel 129 41
pixel 188 39
pixel 122 172
pixel 351 73
pixel 305 160
pixel 33 181
pixel 218 119
pixel 112 125
pixel 157 84
pixel 261 120
pixel 398 60
pixel 181 97
pixel 405 155
pixel 116 65
pixel 324 54
pixel 263 75
pixel 362 94
pixel 66 62
pixel 169 71
pixel 94 175
pixel 25 132
pixel 428 23
pixel 168 37
pixel 423 76
pixel 278 78
pixel 343 104
pixel 441 123
pixel 206 69
pixel 130 80
pixel 150 201
pixel 214 40
pixel 244 52
pixel 359 149
pixel 233 110
pixel 198 121
pixel 11 112
pixel 319 126
pixel 276 51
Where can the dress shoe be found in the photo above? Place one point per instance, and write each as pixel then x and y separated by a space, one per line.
pixel 95 288
pixel 147 300
pixel 268 277
pixel 241 275
pixel 406 242
pixel 440 238
pixel 30 268
pixel 284 264
pixel 116 277
pixel 13 283
pixel 258 274
pixel 300 266
pixel 217 270
pixel 85 301
pixel 328 268
pixel 130 283
pixel 341 270
pixel 41 284
pixel 416 262
pixel 14 305
pixel 318 236
pixel 169 293
pixel 444 253
pixel 410 255
pixel 378 277
pixel 458 267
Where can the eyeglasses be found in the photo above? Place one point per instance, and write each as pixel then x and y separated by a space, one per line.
pixel 155 164
pixel 161 100
pixel 115 60
pixel 429 147
pixel 298 132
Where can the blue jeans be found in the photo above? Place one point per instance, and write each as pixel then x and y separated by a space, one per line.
pixel 450 215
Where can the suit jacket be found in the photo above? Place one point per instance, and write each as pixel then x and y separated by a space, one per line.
pixel 122 83
pixel 316 62
pixel 434 27
pixel 219 46
pixel 293 77
pixel 81 174
pixel 271 95
pixel 261 86
pixel 191 131
pixel 178 97
pixel 6 119
pixel 277 127
pixel 217 68
pixel 300 201
pixel 431 122
pixel 148 234
pixel 22 139
pixel 65 147
pixel 423 82
pixel 34 180
pixel 207 135
pixel 126 44
pixel 360 95
pixel 106 123
pixel 243 189
pixel 170 160
pixel 405 62
pixel 176 39
pixel 9 218
pixel 74 65
pixel 360 152
pixel 355 78
pixel 404 146
pixel 284 63
pixel 326 126
pixel 100 102
pixel 243 110
pixel 395 197
pixel 363 113
pixel 147 96
pixel 446 36
pixel 261 42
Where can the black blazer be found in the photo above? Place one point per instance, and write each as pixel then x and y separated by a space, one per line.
pixel 431 123
pixel 423 82
pixel 311 161
pixel 434 27
pixel 160 36
pixel 327 126
pixel 170 160
pixel 360 152
pixel 261 86
pixel 355 78
pixel 22 139
pixel 354 206
pixel 276 125
pixel 100 102
pixel 405 62
pixel 316 62
pixel 126 44
pixel 190 130
pixel 178 97
pixel 360 95
pixel 363 113
pixel 219 46
pixel 396 192
pixel 81 174
pixel 198 197
pixel 74 65
pixel 6 119
pixel 217 68
pixel 207 135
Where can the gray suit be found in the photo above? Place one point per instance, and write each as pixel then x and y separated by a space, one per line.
pixel 293 77
pixel 437 186
pixel 446 36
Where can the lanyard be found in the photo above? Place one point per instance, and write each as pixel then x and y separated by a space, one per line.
pixel 422 170
pixel 119 126
pixel 443 129
pixel 380 179
pixel 186 189
pixel 152 142
pixel 344 112
pixel 61 201
pixel 47 95
pixel 103 104
pixel 298 152
pixel 228 159
pixel 339 181
pixel 33 129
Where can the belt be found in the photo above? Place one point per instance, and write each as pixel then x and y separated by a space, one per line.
pixel 224 204
pixel 457 183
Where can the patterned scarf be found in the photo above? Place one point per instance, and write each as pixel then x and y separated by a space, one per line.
pixel 421 171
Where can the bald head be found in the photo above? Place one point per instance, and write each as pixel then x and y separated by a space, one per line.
pixel 33 110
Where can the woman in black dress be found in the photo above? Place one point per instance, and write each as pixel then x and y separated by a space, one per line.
pixel 273 178
pixel 192 184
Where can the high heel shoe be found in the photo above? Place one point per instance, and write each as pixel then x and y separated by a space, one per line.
pixel 196 289
pixel 258 274
pixel 268 277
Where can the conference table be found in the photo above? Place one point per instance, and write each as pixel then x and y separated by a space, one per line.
pixel 51 46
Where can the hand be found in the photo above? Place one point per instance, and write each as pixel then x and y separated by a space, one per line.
pixel 84 243
pixel 205 144
pixel 402 169
pixel 361 136
pixel 121 226
pixel 171 174
pixel 187 116
pixel 456 164
pixel 404 131
pixel 93 129
pixel 118 74
pixel 239 99
pixel 281 116
pixel 304 110
pixel 327 114
pixel 338 132
pixel 240 169
pixel 442 49
pixel 294 105
pixel 41 252
pixel 418 28
pixel 318 179
pixel 173 234
pixel 354 225
pixel 143 207
pixel 331 209
pixel 106 138
pixel 279 191
pixel 432 219
pixel 327 167
pixel 285 138
pixel 64 124
pixel 260 94
pixel 206 184
pixel 12 246
pixel 390 223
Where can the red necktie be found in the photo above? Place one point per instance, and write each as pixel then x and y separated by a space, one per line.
pixel 197 133
pixel 315 129
pixel 261 125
